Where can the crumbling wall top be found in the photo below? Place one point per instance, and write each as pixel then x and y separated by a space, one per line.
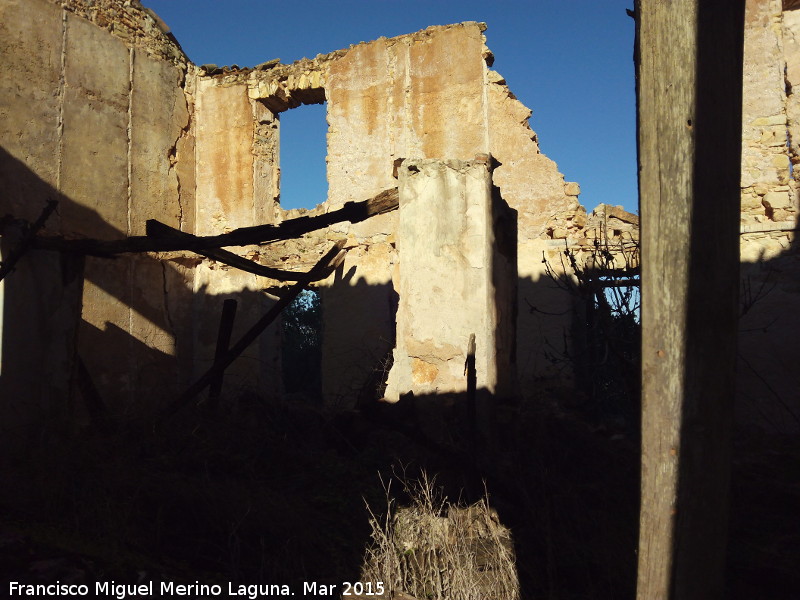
pixel 132 22
pixel 285 86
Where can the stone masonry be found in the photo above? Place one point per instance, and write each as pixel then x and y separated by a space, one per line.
pixel 770 322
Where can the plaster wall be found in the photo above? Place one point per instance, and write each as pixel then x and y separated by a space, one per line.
pixel 430 94
pixel 93 116
pixel 33 324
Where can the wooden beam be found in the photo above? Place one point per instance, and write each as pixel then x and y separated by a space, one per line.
pixel 324 267
pixel 689 89
pixel 156 229
pixel 354 212
pixel 223 342
pixel 472 392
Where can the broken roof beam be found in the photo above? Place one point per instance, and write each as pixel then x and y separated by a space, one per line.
pixel 354 212
pixel 157 229
pixel 326 265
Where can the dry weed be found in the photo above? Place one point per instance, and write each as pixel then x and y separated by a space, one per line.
pixel 437 550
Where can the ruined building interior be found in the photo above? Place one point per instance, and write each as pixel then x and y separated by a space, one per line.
pixel 101 110
pixel 104 112
pixel 207 150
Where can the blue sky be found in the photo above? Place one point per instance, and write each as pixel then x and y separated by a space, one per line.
pixel 569 61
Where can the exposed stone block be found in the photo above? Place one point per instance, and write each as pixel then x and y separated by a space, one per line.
pixel 777 200
pixel 768 121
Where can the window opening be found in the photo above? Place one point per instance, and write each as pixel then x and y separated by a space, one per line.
pixel 303 150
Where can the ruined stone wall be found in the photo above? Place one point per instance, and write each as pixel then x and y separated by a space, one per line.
pixel 133 23
pixel 769 340
pixel 430 94
pixel 770 129
pixel 410 97
pixel 93 114
pixel 769 193
pixel 127 130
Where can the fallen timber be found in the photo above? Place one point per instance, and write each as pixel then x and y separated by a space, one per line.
pixel 324 267
pixel 159 230
pixel 354 212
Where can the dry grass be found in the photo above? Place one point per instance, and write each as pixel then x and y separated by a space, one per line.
pixel 437 550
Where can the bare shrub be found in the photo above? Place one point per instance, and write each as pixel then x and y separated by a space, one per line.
pixel 437 550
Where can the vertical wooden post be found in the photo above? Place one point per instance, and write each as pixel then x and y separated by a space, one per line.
pixel 472 392
pixel 223 341
pixel 689 88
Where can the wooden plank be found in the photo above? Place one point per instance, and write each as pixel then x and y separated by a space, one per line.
pixel 472 391
pixel 324 267
pixel 354 212
pixel 223 342
pixel 159 230
pixel 689 89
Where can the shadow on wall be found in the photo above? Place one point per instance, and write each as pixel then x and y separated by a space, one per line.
pixel 764 490
pixel 769 336
pixel 144 334
pixel 136 335
pixel 358 336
